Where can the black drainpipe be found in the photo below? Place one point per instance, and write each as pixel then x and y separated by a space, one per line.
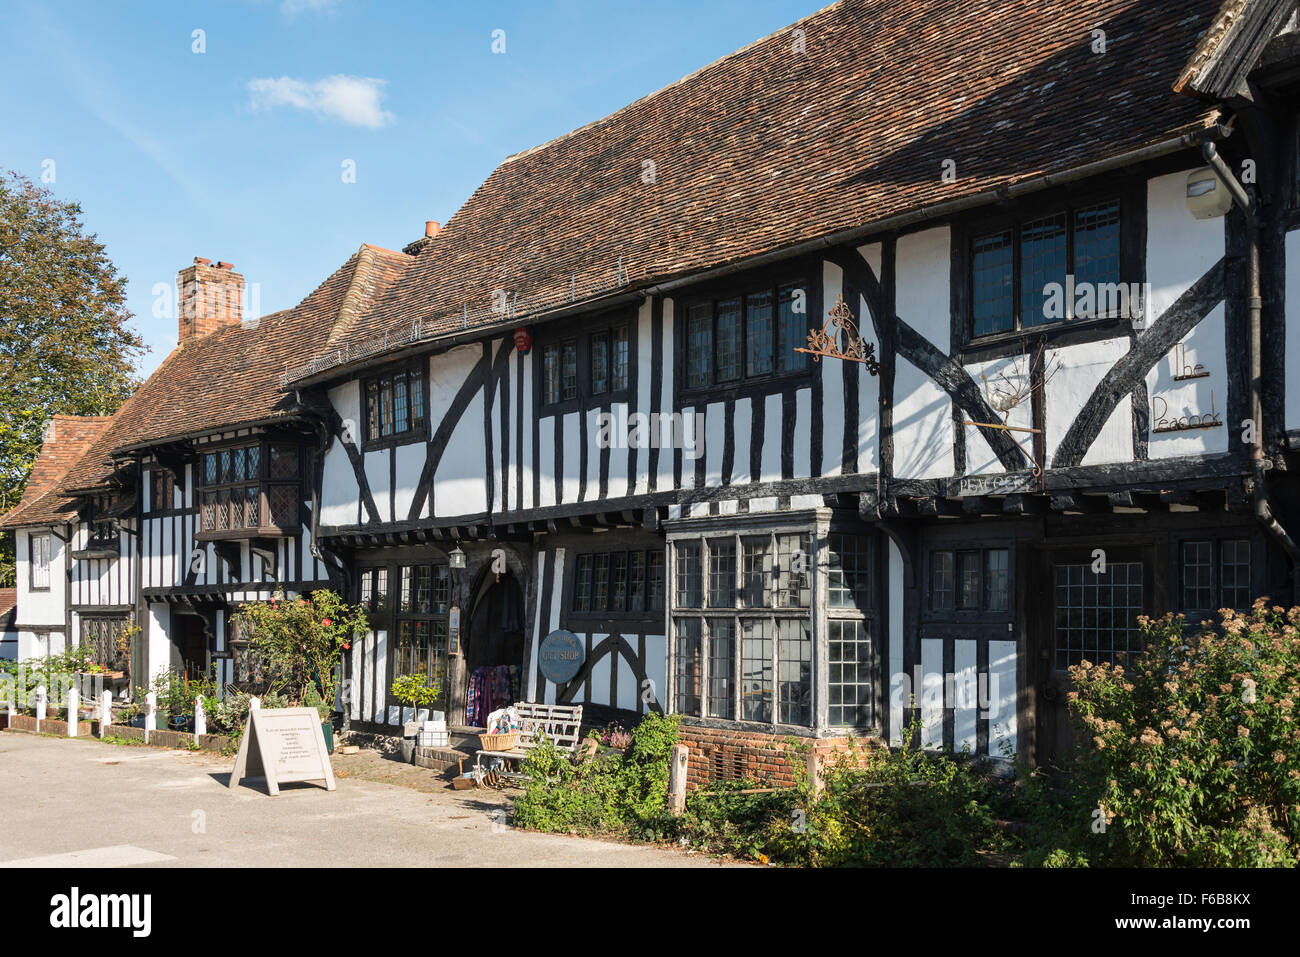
pixel 1263 512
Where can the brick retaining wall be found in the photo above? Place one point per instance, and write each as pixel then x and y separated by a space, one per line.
pixel 769 760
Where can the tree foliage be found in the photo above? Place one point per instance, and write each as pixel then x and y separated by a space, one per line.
pixel 65 347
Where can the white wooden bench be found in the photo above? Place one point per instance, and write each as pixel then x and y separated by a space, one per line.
pixel 558 723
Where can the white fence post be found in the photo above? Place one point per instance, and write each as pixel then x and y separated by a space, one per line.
pixel 254 703
pixel 150 714
pixel 40 705
pixel 105 713
pixel 200 719
pixel 74 712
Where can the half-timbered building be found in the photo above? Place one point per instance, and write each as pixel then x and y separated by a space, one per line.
pixel 874 374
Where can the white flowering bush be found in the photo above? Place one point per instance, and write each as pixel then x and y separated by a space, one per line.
pixel 1192 749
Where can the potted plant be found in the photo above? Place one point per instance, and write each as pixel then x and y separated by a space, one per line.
pixel 300 643
pixel 415 691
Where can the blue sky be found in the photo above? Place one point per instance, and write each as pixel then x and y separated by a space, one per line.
pixel 237 153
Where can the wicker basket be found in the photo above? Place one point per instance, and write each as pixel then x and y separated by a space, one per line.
pixel 506 741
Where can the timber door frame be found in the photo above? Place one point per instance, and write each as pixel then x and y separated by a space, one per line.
pixel 1046 685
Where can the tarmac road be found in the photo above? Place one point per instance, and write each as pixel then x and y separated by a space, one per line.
pixel 88 803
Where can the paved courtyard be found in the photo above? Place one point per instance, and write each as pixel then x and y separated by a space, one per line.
pixel 87 803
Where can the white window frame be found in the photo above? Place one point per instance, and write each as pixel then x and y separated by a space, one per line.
pixel 41 552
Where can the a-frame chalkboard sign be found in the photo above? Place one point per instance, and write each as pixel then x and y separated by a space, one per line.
pixel 284 745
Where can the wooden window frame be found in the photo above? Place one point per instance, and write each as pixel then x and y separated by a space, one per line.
pixel 102 533
pixel 1129 190
pixel 742 289
pixel 97 622
pixel 436 618
pixel 417 371
pixel 1216 540
pixel 581 335
pixel 158 474
pixel 589 559
pixel 738 613
pixel 263 483
pixel 984 613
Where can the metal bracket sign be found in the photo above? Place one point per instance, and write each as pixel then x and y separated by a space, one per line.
pixel 1006 483
pixel 561 656
pixel 283 745
pixel 453 630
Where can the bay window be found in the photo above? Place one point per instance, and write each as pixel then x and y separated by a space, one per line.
pixel 742 626
pixel 249 489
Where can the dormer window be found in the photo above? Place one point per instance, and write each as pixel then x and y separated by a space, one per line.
pixel 102 519
pixel 251 489
pixel 395 408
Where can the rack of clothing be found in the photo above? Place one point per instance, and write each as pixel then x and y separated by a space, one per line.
pixel 491 687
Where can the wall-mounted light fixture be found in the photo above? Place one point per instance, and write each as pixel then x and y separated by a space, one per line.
pixel 457 558
pixel 1207 198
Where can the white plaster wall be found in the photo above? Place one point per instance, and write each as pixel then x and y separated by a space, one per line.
pixel 1204 347
pixel 639 482
pixel 338 484
pixel 32 645
pixel 459 486
pixel 656 667
pixel 410 463
pixel 1006 374
pixel 41 607
pixel 158 646
pixel 379 478
pixel 832 373
pixel 922 293
pixel 715 421
pixel 1180 247
pixel 571 432
pixel 923 432
pixel 546 461
pixel 664 476
pixel 898 688
pixel 1292 409
pixel 1081 367
pixel 868 399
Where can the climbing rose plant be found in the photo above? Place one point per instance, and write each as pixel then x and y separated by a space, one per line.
pixel 1193 750
pixel 301 640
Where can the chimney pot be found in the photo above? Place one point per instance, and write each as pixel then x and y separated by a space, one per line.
pixel 432 227
pixel 202 262
pixel 222 265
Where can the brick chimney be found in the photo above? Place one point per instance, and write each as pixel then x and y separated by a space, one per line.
pixel 210 297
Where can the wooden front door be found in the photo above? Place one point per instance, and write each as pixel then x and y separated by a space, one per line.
pixel 1089 609
pixel 193 647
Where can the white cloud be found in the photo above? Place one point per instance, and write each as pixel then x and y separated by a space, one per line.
pixel 294 7
pixel 353 99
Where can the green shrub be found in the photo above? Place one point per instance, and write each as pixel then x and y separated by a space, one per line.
pixel 1191 755
pixel 892 808
pixel 612 794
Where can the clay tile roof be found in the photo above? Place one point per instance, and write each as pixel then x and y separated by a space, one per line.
pixel 769 147
pixel 230 377
pixel 67 440
pixel 1231 45
pixel 8 609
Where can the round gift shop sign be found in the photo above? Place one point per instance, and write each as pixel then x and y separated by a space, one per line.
pixel 561 656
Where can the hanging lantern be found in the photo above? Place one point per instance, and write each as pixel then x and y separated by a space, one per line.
pixel 523 339
pixel 457 558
